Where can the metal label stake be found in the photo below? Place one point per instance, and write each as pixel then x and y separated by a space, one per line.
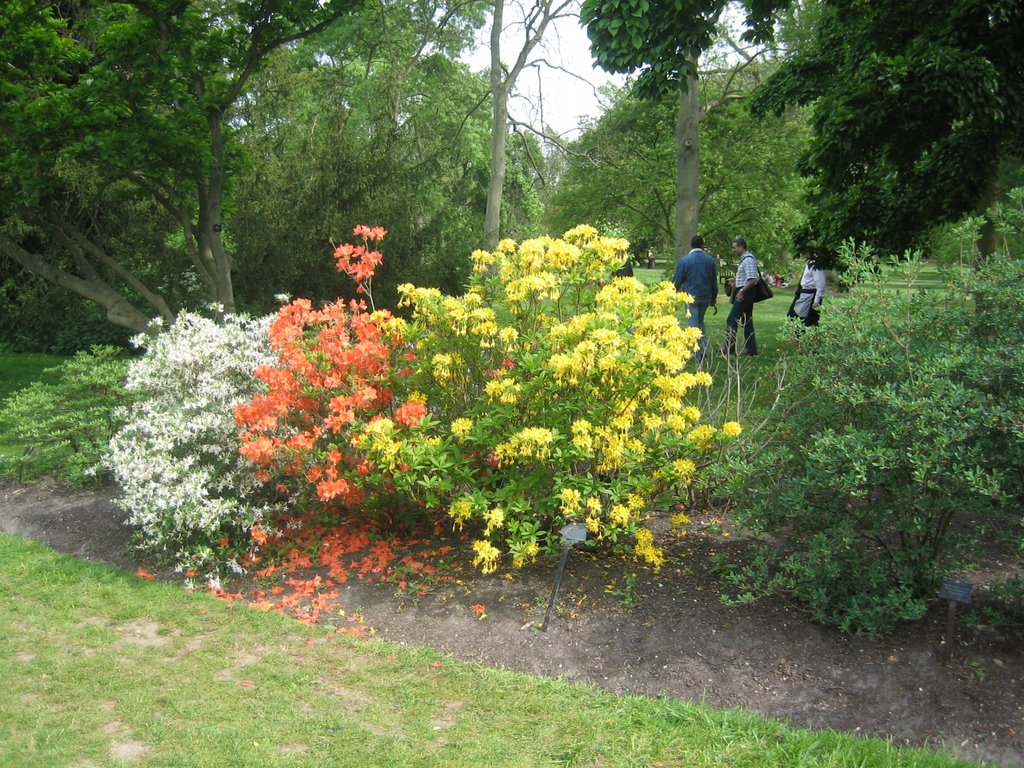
pixel 571 534
pixel 958 592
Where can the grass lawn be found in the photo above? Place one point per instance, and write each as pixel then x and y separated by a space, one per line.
pixel 18 371
pixel 102 668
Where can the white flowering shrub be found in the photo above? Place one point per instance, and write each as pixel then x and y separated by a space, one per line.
pixel 186 487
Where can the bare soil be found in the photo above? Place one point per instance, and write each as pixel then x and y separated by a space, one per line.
pixel 664 634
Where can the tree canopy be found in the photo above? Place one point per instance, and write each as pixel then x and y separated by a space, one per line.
pixel 915 105
pixel 138 91
pixel 620 175
pixel 661 40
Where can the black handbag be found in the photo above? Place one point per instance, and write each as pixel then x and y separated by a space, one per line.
pixel 760 290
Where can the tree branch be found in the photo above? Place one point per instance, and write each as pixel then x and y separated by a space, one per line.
pixel 120 311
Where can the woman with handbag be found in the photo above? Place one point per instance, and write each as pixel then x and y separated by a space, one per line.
pixel 809 293
pixel 742 312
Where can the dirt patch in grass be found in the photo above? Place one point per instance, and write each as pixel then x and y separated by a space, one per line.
pixel 145 633
pixel 122 745
pixel 628 630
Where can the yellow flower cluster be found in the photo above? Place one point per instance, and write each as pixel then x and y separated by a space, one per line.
pixel 612 447
pixel 420 299
pixel 529 443
pixel 538 268
pixel 681 471
pixel 461 428
pixel 582 435
pixel 680 524
pixel 525 553
pixel 458 315
pixel 535 286
pixel 508 337
pixel 460 512
pixel 580 234
pixel 571 501
pixel 620 515
pixel 486 556
pixel 703 436
pixel 445 366
pixel 495 518
pixel 732 429
pixel 636 503
pixel 482 261
pixel 395 328
pixel 645 549
pixel 379 444
pixel 503 390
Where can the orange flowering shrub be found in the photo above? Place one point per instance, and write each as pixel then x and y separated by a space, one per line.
pixel 336 375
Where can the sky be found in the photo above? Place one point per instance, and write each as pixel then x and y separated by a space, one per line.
pixel 561 99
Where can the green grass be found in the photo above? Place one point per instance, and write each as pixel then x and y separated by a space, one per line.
pixel 100 668
pixel 20 370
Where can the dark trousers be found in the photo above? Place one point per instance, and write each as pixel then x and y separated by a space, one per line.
pixel 742 313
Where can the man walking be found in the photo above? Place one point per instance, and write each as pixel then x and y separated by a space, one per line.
pixel 742 311
pixel 697 274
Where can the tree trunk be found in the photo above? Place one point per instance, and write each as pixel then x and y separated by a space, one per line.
pixel 687 164
pixel 987 236
pixel 120 311
pixel 499 130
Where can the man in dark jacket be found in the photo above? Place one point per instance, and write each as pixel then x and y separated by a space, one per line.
pixel 697 275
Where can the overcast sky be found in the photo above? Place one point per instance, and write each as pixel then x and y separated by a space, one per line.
pixel 566 98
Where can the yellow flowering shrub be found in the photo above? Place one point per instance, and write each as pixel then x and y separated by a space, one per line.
pixel 556 394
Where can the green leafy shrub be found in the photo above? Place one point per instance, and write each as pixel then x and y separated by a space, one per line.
pixel 898 433
pixel 62 426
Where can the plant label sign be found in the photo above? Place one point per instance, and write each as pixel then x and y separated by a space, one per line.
pixel 957 590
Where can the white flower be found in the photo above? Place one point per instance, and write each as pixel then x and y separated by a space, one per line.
pixel 176 458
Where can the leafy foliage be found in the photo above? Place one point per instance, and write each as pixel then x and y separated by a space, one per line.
pixel 661 39
pixel 913 111
pixel 64 423
pixel 344 129
pixel 899 435
pixel 139 93
pixel 29 321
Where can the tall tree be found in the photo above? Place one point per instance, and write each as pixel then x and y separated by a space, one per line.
pixel 377 122
pixel 537 16
pixel 140 91
pixel 662 41
pixel 915 105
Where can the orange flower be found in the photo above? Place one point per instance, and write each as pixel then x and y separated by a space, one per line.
pixel 370 233
pixel 410 413
pixel 142 573
pixel 259 535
